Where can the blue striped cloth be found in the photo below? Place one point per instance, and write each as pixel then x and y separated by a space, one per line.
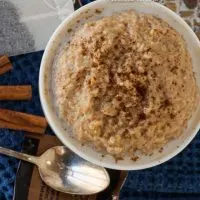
pixel 26 71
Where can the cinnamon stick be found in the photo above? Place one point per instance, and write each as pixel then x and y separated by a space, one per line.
pixel 4 60
pixel 5 64
pixel 23 92
pixel 8 125
pixel 22 121
pixel 7 67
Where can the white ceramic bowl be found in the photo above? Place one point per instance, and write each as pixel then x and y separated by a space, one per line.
pixel 61 34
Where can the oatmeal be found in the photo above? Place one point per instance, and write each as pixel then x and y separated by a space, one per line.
pixel 125 84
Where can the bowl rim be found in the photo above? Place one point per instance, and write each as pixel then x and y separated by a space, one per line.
pixel 46 109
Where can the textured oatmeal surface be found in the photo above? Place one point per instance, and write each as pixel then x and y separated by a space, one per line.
pixel 125 84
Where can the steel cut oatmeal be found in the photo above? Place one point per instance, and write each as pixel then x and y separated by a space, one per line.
pixel 125 84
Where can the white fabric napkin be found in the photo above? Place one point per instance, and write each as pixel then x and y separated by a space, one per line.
pixel 27 25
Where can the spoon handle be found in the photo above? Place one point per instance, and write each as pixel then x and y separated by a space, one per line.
pixel 18 155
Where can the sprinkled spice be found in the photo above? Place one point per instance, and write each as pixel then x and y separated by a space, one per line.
pixel 128 89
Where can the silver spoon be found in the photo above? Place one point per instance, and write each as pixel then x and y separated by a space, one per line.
pixel 65 171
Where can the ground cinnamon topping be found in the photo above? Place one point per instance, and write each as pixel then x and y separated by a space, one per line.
pixel 129 68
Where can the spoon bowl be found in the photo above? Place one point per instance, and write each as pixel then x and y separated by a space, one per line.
pixel 65 171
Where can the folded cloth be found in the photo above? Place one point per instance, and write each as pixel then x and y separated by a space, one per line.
pixel 19 22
